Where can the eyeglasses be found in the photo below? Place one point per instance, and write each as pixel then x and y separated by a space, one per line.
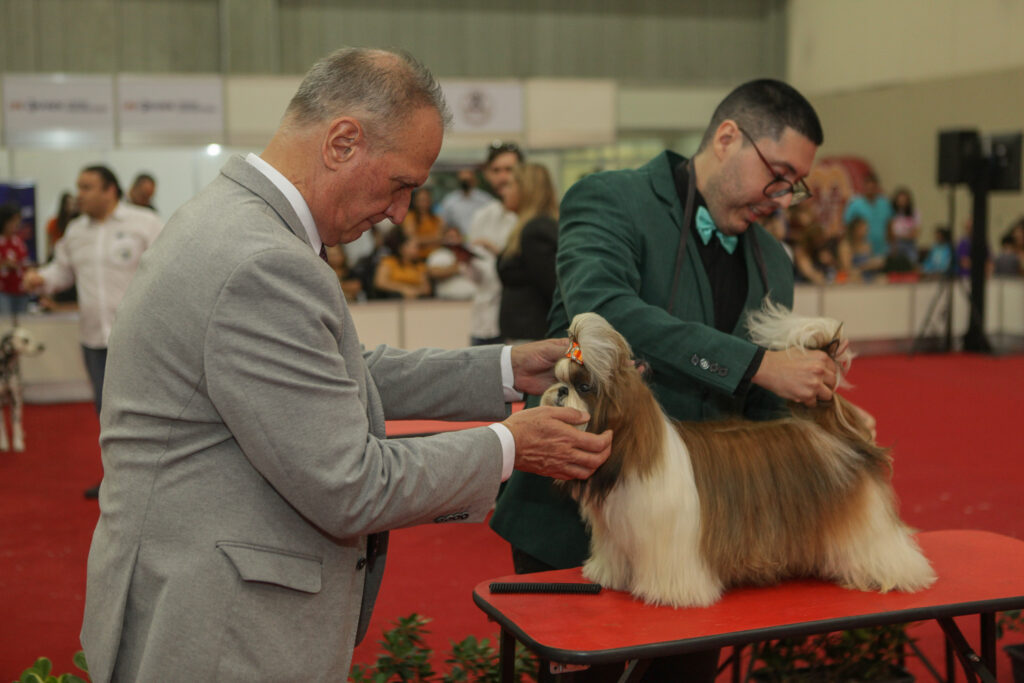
pixel 498 147
pixel 779 186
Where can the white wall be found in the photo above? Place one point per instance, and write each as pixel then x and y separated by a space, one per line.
pixel 841 45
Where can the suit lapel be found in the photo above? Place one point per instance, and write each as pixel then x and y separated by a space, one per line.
pixel 663 184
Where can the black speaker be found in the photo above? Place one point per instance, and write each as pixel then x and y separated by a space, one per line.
pixel 958 151
pixel 1006 161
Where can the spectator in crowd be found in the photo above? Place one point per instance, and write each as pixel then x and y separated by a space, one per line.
pixel 905 225
pixel 421 223
pixel 352 286
pixel 1016 235
pixel 99 253
pixel 446 266
pixel 487 236
pixel 402 272
pixel 876 209
pixel 940 256
pixel 963 251
pixel 526 266
pixel 67 209
pixel 13 260
pixel 856 259
pixel 460 205
pixel 1007 261
pixel 142 190
pixel 365 253
pixel 244 522
pixel 814 256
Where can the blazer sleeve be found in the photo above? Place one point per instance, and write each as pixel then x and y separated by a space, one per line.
pixel 616 253
pixel 297 407
pixel 434 384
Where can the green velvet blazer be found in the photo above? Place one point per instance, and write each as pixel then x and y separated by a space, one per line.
pixel 617 249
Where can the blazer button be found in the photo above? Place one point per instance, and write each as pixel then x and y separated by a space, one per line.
pixel 360 564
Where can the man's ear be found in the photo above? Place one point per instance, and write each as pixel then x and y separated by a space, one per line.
pixel 343 139
pixel 727 135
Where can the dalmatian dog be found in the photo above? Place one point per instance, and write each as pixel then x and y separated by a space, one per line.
pixel 13 345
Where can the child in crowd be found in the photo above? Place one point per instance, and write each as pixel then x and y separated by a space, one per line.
pixel 13 261
pixel 904 225
pixel 402 273
pixel 856 257
pixel 1007 261
pixel 940 256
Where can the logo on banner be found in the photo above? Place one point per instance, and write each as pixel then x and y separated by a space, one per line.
pixel 477 107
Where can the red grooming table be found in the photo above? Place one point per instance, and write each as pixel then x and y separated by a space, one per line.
pixel 979 573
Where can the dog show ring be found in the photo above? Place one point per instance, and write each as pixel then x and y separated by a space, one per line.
pixel 979 573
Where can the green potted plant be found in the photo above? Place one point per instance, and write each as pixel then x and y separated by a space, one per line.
pixel 863 654
pixel 407 658
pixel 1013 620
pixel 42 671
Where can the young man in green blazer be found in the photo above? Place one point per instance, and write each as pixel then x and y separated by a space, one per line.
pixel 630 249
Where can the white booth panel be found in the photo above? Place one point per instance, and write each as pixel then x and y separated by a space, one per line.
pixel 378 322
pixel 870 311
pixel 437 324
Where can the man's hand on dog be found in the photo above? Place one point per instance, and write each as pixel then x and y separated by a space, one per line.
pixel 802 377
pixel 548 443
pixel 533 364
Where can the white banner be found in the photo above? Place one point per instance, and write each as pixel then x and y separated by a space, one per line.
pixel 58 110
pixel 170 108
pixel 492 107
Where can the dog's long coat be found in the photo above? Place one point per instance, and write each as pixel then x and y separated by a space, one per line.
pixel 682 511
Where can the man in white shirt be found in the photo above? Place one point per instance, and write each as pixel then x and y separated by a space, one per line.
pixel 99 253
pixel 487 236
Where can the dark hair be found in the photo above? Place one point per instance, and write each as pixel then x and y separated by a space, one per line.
pixel 8 210
pixel 107 177
pixel 412 202
pixel 394 240
pixel 382 86
pixel 497 148
pixel 764 109
pixel 143 177
pixel 64 214
pixel 943 235
pixel 909 210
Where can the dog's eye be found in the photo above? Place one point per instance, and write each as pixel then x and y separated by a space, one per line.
pixel 584 388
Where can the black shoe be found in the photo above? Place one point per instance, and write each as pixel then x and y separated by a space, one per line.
pixel 93 493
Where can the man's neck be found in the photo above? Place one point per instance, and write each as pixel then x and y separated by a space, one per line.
pixel 105 215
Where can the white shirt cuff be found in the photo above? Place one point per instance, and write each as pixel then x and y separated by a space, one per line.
pixel 508 379
pixel 508 449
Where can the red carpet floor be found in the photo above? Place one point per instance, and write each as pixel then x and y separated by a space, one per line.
pixel 954 423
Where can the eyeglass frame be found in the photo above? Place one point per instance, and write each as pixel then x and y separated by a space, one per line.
pixel 799 189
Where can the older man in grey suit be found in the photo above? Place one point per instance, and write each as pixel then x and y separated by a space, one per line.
pixel 248 487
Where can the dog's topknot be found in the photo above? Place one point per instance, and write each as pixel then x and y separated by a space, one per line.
pixel 603 349
pixel 776 328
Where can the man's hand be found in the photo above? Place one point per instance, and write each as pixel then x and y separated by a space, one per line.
pixel 549 443
pixel 804 377
pixel 533 363
pixel 32 280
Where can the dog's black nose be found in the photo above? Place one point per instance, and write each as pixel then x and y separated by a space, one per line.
pixel 563 393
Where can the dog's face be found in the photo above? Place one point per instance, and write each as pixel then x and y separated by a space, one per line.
pixel 597 363
pixel 21 342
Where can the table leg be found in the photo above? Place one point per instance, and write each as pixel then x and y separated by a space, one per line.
pixel 507 656
pixel 974 668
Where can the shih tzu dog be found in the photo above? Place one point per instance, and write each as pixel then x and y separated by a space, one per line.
pixel 681 511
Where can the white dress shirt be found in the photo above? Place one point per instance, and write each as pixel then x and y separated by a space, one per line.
pixel 100 257
pixel 298 203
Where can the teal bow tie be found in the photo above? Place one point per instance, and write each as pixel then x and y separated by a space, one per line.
pixel 706 226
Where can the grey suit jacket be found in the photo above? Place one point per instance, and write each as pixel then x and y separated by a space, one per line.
pixel 244 459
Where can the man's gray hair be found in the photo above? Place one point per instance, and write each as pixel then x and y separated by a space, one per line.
pixel 379 87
